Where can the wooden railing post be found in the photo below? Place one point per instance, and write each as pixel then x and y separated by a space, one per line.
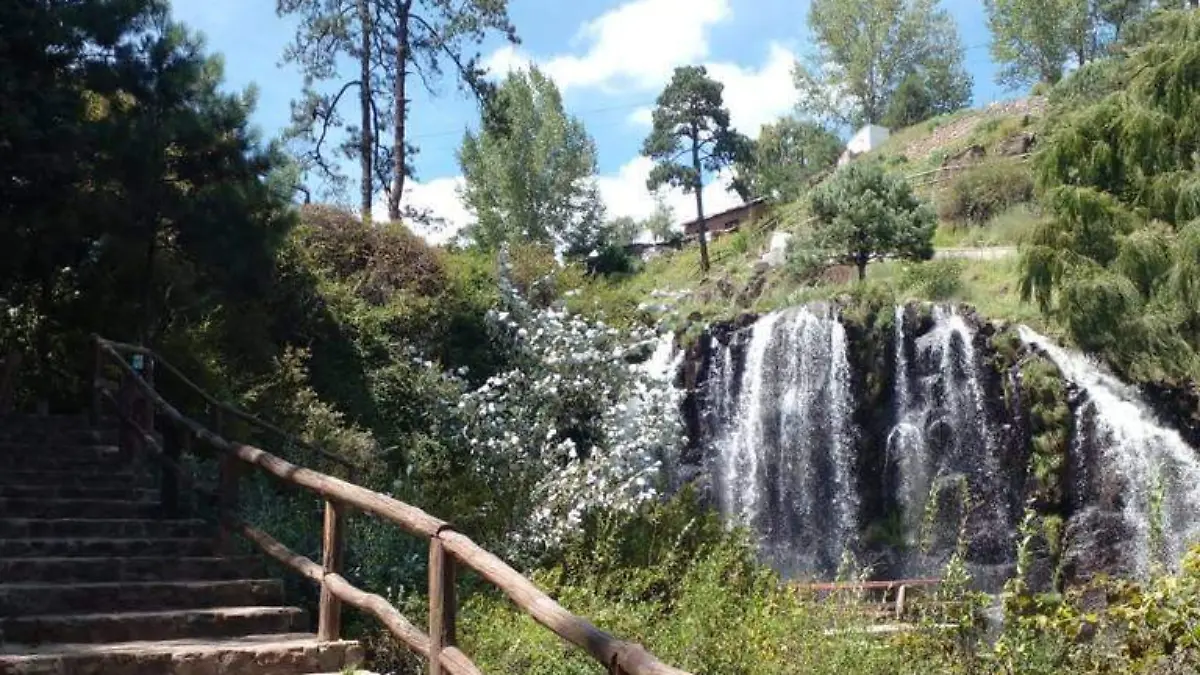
pixel 230 469
pixel 177 443
pixel 329 626
pixel 443 604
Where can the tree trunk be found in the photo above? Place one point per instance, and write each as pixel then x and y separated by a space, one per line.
pixel 148 280
pixel 401 96
pixel 698 188
pixel 860 262
pixel 366 147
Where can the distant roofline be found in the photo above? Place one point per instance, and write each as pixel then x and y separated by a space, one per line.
pixel 753 202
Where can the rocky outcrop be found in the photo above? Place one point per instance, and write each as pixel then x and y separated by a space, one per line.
pixel 950 412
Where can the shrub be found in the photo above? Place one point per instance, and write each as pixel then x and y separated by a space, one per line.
pixel 935 279
pixel 984 192
pixel 381 259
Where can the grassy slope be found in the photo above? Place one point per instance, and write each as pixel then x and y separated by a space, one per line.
pixel 674 280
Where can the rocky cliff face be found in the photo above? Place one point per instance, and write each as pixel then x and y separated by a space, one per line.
pixel 895 437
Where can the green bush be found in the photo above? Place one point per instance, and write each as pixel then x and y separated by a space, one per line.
pixel 934 279
pixel 985 192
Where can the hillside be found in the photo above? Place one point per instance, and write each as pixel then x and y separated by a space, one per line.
pixel 972 166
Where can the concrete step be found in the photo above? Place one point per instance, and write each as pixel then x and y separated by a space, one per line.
pixel 287 654
pixel 104 477
pixel 58 436
pixel 105 509
pixel 126 528
pixel 77 492
pixel 91 547
pixel 51 461
pixel 97 570
pixel 42 598
pixel 75 452
pixel 168 625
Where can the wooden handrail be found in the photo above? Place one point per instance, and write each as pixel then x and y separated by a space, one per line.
pixel 122 347
pixel 619 657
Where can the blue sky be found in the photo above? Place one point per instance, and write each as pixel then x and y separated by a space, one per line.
pixel 610 57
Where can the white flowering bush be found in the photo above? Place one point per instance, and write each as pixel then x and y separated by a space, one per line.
pixel 573 424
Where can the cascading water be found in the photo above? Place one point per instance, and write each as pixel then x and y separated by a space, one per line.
pixel 783 442
pixel 814 470
pixel 1126 467
pixel 943 441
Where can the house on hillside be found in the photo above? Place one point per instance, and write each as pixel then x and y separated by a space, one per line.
pixel 867 139
pixel 726 221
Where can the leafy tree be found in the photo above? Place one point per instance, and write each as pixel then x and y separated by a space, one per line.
pixel 1123 198
pixel 390 40
pixel 864 213
pixel 661 223
pixel 692 135
pixel 787 155
pixel 913 103
pixel 1035 40
pixel 148 206
pixel 532 178
pixel 866 49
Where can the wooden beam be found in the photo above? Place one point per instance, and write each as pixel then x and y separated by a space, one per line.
pixel 442 604
pixel 329 625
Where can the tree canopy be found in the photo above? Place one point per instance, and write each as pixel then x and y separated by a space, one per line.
pixel 691 136
pixel 787 155
pixel 863 214
pixel 867 49
pixel 532 178
pixel 138 198
pixel 1035 40
pixel 1117 258
pixel 389 41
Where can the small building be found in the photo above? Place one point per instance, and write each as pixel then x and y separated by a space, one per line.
pixel 727 221
pixel 867 139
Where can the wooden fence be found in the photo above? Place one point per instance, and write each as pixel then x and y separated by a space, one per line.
pixel 137 405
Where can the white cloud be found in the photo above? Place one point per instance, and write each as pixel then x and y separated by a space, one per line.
pixel 635 46
pixel 754 96
pixel 440 198
pixel 625 194
pixel 758 96
pixel 506 60
pixel 642 117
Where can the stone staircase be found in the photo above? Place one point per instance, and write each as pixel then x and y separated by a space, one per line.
pixel 94 581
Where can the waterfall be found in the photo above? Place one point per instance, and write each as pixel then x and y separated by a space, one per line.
pixel 665 360
pixel 1126 463
pixel 942 436
pixel 784 451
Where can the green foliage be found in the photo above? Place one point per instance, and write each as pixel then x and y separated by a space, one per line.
pixel 138 200
pixel 531 178
pixel 982 193
pixel 674 579
pixel 1120 193
pixel 1034 40
pixel 934 279
pixel 1107 627
pixel 788 155
pixel 868 49
pixel 911 104
pixel 690 119
pixel 1044 397
pixel 863 213
pixel 389 42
